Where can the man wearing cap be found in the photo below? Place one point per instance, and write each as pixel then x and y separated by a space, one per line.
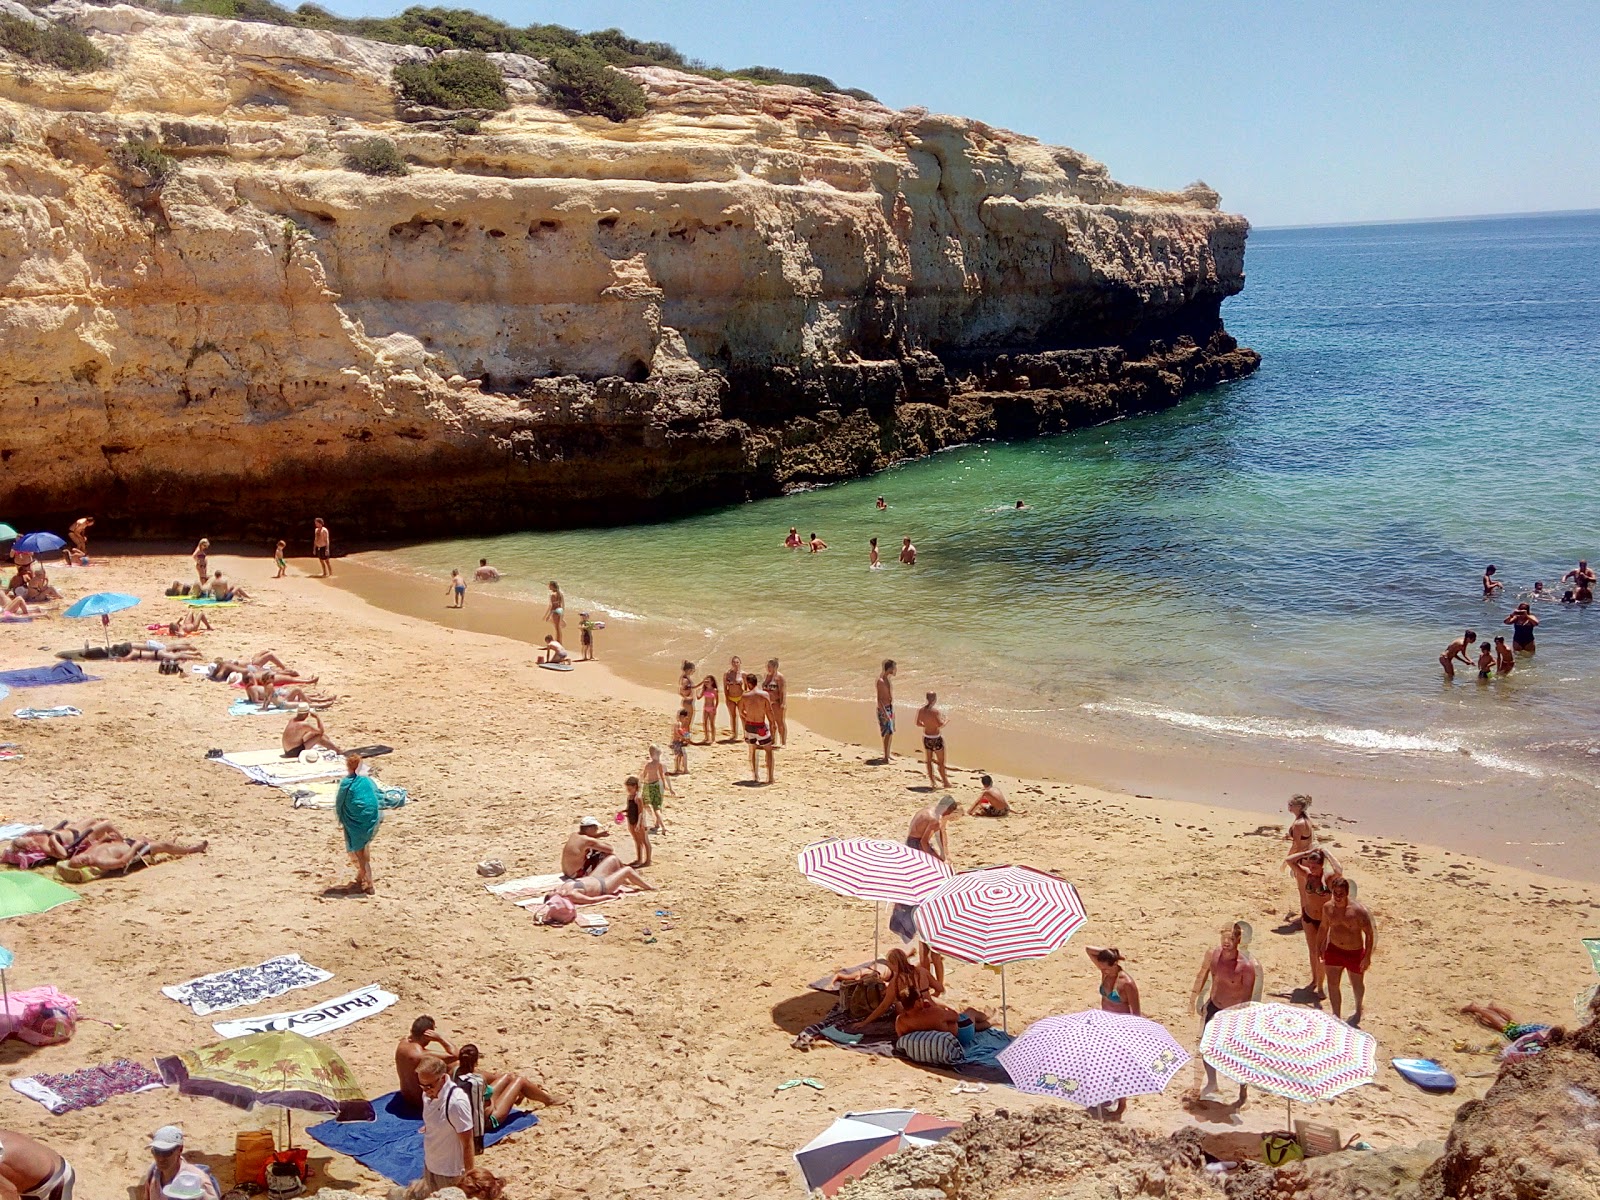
pixel 33 1170
pixel 171 1175
pixel 304 732
pixel 584 852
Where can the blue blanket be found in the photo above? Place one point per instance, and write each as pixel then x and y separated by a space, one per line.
pixel 392 1144
pixel 61 672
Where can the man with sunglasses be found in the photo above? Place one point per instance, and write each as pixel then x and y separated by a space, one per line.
pixel 448 1149
pixel 1348 940
pixel 166 1148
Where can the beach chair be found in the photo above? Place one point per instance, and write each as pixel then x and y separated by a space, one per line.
pixel 1317 1139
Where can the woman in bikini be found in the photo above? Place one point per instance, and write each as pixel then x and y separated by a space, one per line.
pixel 500 1092
pixel 557 610
pixel 199 557
pixel 710 697
pixel 1118 992
pixel 732 693
pixel 591 889
pixel 903 982
pixel 1310 868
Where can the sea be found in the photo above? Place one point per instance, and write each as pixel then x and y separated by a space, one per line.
pixel 1252 588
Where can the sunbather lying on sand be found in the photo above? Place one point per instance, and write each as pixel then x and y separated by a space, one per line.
pixel 14 606
pixel 927 1013
pixel 1497 1017
pixel 58 843
pixel 159 651
pixel 122 854
pixel 591 889
pixel 267 693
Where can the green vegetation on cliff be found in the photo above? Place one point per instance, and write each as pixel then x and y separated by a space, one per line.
pixel 463 81
pixel 50 45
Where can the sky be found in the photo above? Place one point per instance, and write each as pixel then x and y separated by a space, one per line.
pixel 1297 113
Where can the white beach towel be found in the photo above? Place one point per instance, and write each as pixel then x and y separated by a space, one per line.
pixel 272 768
pixel 240 986
pixel 318 1019
pixel 526 891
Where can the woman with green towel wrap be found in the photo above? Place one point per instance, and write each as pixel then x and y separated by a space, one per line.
pixel 358 808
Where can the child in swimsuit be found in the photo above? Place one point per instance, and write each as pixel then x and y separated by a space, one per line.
pixel 641 839
pixel 681 733
pixel 656 782
pixel 1485 660
pixel 586 636
pixel 709 697
pixel 278 557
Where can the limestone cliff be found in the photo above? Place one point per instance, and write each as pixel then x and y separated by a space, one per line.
pixel 556 318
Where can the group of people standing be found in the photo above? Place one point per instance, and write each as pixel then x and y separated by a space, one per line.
pixel 757 708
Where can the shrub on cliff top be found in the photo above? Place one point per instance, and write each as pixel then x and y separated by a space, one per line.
pixel 51 45
pixel 376 156
pixel 460 81
pixel 141 157
pixel 582 81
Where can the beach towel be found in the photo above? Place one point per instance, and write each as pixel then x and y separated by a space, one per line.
pixel 52 676
pixel 89 1086
pixel 46 714
pixel 527 891
pixel 210 602
pixel 318 1019
pixel 392 1144
pixel 1592 945
pixel 323 793
pixel 272 768
pixel 249 708
pixel 4 691
pixel 18 828
pixel 246 985
pixel 980 1060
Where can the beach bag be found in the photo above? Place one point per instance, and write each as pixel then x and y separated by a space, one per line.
pixel 861 998
pixel 931 1047
pixel 252 1151
pixel 284 1175
pixel 559 910
pixel 1280 1148
pixel 40 1016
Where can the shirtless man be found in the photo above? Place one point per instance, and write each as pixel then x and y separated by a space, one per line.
pixel 322 547
pixel 31 1169
pixel 120 855
pixel 485 573
pixel 755 712
pixel 1456 652
pixel 585 854
pixel 908 552
pixel 411 1050
pixel 1583 580
pixel 929 830
pixel 1348 940
pixel 931 720
pixel 78 534
pixel 732 690
pixel 991 803
pixel 777 689
pixel 304 732
pixel 886 706
pixel 1233 978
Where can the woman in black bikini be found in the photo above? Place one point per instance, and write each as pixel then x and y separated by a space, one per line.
pixel 1522 623
pixel 1310 868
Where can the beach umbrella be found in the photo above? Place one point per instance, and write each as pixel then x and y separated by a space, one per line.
pixel 1000 915
pixel 6 532
pixel 1298 1053
pixel 858 1140
pixel 874 869
pixel 39 543
pixel 277 1067
pixel 102 605
pixel 23 893
pixel 1093 1058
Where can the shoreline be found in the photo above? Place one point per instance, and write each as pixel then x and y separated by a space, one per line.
pixel 1412 809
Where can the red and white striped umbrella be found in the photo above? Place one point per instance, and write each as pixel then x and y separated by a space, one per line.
pixel 873 869
pixel 1000 915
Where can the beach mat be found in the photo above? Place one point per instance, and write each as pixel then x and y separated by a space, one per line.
pixel 51 676
pixel 89 1086
pixel 323 793
pixel 391 1144
pixel 981 1062
pixel 210 602
pixel 249 708
pixel 239 986
pixel 272 768
pixel 47 714
pixel 530 889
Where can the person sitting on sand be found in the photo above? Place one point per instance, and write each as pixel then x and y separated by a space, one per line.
pixel 191 623
pixel 924 1012
pixel 903 980
pixel 423 1040
pixel 106 856
pixel 554 651
pixel 1456 652
pixel 305 732
pixel 485 573
pixel 500 1091
pixel 222 591
pixel 1311 870
pixel 991 802
pixel 585 854
pixel 1348 939
pixel 1118 992
pixel 1228 976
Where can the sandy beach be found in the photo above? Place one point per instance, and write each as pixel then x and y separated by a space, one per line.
pixel 671 1049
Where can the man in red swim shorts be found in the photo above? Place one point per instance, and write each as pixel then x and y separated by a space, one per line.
pixel 1348 940
pixel 755 713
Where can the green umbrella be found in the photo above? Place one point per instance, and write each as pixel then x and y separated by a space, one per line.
pixel 7 534
pixel 22 892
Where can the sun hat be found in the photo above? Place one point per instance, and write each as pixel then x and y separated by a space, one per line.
pixel 302 709
pixel 585 822
pixel 184 1187
pixel 168 1137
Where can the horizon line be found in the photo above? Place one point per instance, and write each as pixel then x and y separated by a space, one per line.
pixel 1500 216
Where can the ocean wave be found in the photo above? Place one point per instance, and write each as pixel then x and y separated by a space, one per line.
pixel 1351 737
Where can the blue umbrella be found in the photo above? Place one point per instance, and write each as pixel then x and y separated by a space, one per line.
pixel 102 605
pixel 39 543
pixel 6 532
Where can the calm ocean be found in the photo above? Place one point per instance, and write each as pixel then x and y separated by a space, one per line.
pixel 1270 570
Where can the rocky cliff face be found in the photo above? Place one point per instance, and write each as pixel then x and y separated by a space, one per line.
pixel 555 319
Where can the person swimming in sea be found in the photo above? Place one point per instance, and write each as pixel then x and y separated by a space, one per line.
pixel 1485 661
pixel 873 561
pixel 1522 623
pixel 1491 585
pixel 792 542
pixel 1020 506
pixel 1456 652
pixel 882 504
pixel 817 544
pixel 1504 659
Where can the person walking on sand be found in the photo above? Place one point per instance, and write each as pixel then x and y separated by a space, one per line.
pixel 908 553
pixel 458 586
pixel 1522 623
pixel 874 563
pixel 280 556
pixel 1504 659
pixel 732 693
pixel 635 813
pixel 359 808
pixel 199 557
pixel 555 612
pixel 655 779
pixel 886 707
pixel 1311 870
pixel 1348 940
pixel 777 689
pixel 755 713
pixel 991 802
pixel 1456 652
pixel 1228 976
pixel 931 720
pixel 710 698
pixel 322 546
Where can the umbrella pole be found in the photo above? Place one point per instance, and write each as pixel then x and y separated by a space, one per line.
pixel 1004 1025
pixel 877 920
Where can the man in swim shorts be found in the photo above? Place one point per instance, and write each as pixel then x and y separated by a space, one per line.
pixel 1232 977
pixel 886 706
pixel 992 801
pixel 931 720
pixel 1348 939
pixel 584 853
pixel 305 732
pixel 755 711
pixel 322 546
pixel 908 552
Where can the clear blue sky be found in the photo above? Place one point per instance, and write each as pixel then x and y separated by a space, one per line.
pixel 1297 113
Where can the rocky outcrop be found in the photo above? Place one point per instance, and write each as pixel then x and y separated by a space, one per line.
pixel 556 318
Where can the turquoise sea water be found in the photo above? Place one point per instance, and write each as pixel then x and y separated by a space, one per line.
pixel 1272 568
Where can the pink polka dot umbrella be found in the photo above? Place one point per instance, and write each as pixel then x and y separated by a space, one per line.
pixel 1093 1058
pixel 874 869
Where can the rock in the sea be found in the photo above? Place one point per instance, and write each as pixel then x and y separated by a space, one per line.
pixel 556 317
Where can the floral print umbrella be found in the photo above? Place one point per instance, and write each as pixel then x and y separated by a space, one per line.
pixel 278 1067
